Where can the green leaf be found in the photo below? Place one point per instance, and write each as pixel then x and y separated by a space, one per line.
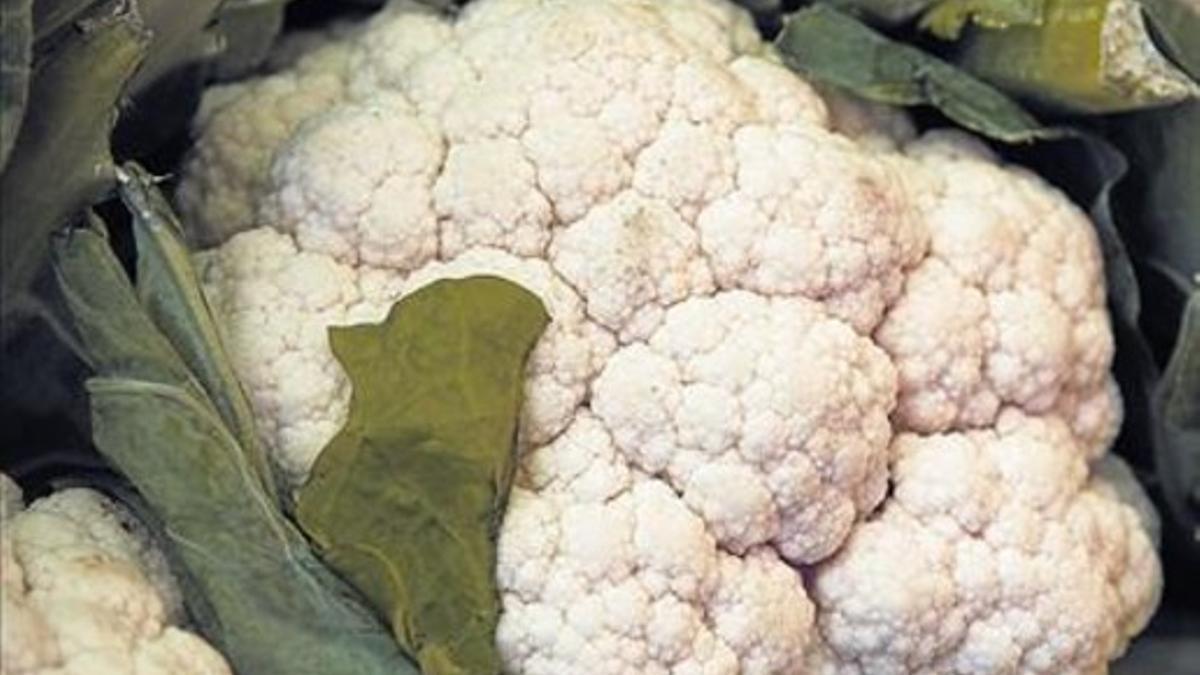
pixel 60 162
pixel 1177 25
pixel 16 58
pixel 170 294
pixel 406 500
pixel 1089 56
pixel 180 36
pixel 248 30
pixel 947 18
pixel 1164 146
pixel 252 583
pixel 837 49
pixel 1176 417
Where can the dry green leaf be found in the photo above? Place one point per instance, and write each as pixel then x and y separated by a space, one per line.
pixel 406 500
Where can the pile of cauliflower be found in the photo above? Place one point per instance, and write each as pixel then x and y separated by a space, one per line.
pixel 819 395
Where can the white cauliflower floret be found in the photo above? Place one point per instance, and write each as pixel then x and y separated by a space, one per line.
pixel 754 286
pixel 816 216
pixel 86 591
pixel 762 454
pixel 996 554
pixel 615 575
pixel 243 124
pixel 1008 308
pixel 630 259
pixel 357 186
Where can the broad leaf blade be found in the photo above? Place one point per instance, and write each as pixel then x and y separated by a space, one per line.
pixel 16 58
pixel 406 499
pixel 837 49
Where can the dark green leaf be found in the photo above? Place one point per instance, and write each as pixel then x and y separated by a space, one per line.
pixel 252 583
pixel 947 18
pixel 1091 56
pixel 1091 168
pixel 1164 146
pixel 16 59
pixel 61 163
pixel 837 49
pixel 1177 24
pixel 248 30
pixel 1176 417
pixel 406 499
pixel 180 36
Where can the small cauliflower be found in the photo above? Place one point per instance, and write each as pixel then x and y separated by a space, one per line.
pixel 770 303
pixel 87 592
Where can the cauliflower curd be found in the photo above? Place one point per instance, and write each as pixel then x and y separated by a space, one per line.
pixel 84 590
pixel 818 396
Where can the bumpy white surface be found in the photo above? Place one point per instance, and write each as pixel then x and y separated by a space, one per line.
pixel 997 554
pixel 761 294
pixel 85 591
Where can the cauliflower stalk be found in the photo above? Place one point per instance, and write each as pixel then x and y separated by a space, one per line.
pixel 769 304
pixel 86 591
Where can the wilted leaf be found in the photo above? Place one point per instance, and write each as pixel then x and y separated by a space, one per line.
pixel 16 58
pixel 837 49
pixel 61 163
pixel 252 583
pixel 406 500
pixel 1092 56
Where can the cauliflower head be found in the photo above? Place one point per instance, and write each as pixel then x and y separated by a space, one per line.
pixel 86 591
pixel 818 394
